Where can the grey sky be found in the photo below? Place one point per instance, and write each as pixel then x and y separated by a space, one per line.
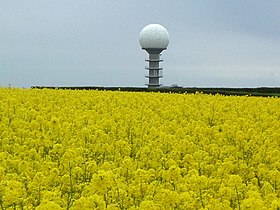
pixel 229 43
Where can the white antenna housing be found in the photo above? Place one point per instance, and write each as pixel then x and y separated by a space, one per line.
pixel 154 38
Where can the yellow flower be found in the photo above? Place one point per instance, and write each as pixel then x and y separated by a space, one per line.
pixel 49 205
pixel 81 149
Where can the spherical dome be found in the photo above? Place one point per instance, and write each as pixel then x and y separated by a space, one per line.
pixel 154 36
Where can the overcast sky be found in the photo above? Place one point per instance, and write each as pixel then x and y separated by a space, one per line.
pixel 213 43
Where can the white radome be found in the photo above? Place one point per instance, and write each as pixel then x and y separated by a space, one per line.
pixel 154 36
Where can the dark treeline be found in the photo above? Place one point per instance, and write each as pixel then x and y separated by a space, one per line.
pixel 260 91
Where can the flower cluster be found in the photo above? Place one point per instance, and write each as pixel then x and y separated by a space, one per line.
pixel 75 149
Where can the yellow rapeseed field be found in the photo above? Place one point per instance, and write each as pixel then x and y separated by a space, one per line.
pixel 81 150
